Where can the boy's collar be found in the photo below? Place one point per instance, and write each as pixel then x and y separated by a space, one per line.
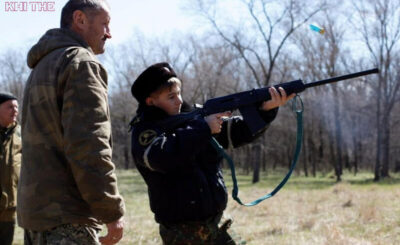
pixel 145 113
pixel 146 109
pixel 150 113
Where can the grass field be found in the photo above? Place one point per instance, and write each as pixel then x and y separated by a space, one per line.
pixel 306 211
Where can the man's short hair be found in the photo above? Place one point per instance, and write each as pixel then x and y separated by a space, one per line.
pixel 86 6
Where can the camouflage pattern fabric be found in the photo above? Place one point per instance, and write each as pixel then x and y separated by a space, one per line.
pixel 67 174
pixel 68 234
pixel 10 163
pixel 200 233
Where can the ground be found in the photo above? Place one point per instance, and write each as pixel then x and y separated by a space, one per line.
pixel 306 211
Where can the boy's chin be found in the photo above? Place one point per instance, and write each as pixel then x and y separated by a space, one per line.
pixel 174 113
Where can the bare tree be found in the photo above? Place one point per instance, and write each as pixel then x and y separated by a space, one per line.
pixel 213 71
pixel 324 56
pixel 380 30
pixel 121 63
pixel 13 72
pixel 270 31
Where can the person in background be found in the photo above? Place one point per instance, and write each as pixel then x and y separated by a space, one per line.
pixel 10 162
pixel 68 186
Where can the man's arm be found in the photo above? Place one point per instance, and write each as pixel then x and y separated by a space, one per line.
pixel 87 139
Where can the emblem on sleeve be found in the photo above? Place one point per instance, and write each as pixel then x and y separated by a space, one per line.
pixel 146 137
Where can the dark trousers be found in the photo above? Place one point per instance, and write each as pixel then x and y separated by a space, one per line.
pixel 6 233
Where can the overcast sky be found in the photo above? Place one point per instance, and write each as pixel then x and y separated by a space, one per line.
pixel 21 29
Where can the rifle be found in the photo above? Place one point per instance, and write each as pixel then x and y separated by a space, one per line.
pixel 246 102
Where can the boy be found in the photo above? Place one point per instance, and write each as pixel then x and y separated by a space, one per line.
pixel 180 167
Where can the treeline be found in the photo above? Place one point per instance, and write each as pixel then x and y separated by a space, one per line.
pixel 351 126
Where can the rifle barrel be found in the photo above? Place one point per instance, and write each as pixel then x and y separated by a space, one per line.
pixel 340 78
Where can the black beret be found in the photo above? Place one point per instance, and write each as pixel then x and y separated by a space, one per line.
pixel 150 80
pixel 6 96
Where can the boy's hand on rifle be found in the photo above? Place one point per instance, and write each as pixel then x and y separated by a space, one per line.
pixel 277 99
pixel 215 121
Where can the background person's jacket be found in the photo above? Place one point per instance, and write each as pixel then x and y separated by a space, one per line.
pixel 10 163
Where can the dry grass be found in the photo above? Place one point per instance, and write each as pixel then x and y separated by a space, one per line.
pixel 306 211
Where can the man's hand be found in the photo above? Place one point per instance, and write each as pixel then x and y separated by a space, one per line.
pixel 114 232
pixel 215 121
pixel 276 99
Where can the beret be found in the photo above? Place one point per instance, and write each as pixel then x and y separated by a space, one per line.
pixel 150 80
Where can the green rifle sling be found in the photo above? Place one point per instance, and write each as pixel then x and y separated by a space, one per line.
pixel 299 115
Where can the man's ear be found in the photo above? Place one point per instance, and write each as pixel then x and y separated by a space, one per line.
pixel 79 19
pixel 149 101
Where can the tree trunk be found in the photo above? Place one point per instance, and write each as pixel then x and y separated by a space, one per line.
pixel 247 159
pixel 357 148
pixel 320 149
pixel 378 134
pixel 312 156
pixel 357 157
pixel 264 156
pixel 347 161
pixel 305 158
pixel 397 167
pixel 332 152
pixel 338 137
pixel 385 147
pixel 256 162
pixel 126 156
pixel 346 157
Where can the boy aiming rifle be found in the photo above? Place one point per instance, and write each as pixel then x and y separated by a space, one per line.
pixel 179 165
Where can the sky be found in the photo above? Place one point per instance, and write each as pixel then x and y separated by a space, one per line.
pixel 22 29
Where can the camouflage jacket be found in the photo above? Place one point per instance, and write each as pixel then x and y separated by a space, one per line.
pixel 10 162
pixel 67 175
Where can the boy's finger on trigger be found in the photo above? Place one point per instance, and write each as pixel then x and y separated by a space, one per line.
pixel 271 90
pixel 227 114
pixel 273 93
pixel 282 91
pixel 222 114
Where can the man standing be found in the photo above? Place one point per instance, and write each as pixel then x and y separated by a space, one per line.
pixel 10 162
pixel 68 185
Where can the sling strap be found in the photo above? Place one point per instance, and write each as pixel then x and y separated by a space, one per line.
pixel 297 107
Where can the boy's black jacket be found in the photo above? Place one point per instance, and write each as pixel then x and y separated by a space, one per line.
pixel 181 168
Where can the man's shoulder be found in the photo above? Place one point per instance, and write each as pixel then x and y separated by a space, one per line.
pixel 80 54
pixel 76 56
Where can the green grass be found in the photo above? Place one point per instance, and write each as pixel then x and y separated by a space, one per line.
pixel 319 182
pixel 306 211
